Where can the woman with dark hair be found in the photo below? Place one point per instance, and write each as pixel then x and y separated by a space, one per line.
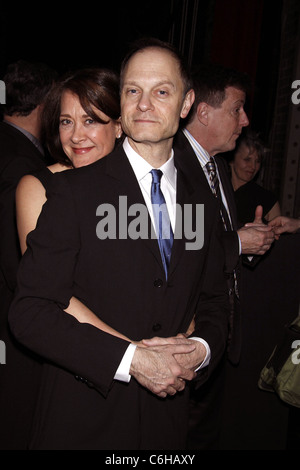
pixel 96 93
pixel 81 124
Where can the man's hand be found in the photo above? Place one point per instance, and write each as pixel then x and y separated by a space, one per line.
pixel 191 360
pixel 156 368
pixel 256 237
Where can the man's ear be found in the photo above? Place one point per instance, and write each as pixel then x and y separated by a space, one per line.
pixel 187 104
pixel 202 113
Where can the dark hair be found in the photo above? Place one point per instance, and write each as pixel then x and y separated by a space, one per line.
pixel 95 88
pixel 211 80
pixel 149 43
pixel 27 85
pixel 252 140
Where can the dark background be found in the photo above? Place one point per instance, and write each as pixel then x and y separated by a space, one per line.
pixel 242 34
pixel 245 34
pixel 260 37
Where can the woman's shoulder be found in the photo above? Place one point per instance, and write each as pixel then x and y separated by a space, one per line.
pixel 36 181
pixel 29 180
pixel 30 187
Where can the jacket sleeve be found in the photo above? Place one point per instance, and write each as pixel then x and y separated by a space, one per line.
pixel 232 250
pixel 44 288
pixel 212 313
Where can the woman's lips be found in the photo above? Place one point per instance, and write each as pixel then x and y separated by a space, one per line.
pixel 82 150
pixel 249 174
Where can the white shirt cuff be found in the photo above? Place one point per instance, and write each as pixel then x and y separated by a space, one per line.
pixel 122 373
pixel 240 244
pixel 208 353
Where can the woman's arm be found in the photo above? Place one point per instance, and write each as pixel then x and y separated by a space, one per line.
pixel 274 212
pixel 30 197
pixel 284 224
pixel 84 315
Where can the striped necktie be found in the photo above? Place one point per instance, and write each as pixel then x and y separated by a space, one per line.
pixel 215 187
pixel 213 177
pixel 162 220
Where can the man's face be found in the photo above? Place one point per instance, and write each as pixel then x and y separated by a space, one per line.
pixel 226 123
pixel 152 97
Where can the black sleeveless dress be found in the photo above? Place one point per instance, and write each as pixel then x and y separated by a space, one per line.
pixel 44 175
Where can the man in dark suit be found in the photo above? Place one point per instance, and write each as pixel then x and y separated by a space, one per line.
pixel 21 152
pixel 213 126
pixel 100 391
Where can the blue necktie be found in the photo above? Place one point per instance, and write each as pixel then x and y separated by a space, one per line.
pixel 162 220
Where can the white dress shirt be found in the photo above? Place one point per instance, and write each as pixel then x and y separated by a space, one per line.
pixel 142 171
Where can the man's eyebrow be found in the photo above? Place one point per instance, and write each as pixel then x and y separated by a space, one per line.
pixel 239 101
pixel 155 85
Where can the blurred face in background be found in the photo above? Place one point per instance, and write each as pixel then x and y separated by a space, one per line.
pixel 245 165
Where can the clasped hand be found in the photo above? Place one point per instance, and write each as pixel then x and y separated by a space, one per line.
pixel 256 237
pixel 163 365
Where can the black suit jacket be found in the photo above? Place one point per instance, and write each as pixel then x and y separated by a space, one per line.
pixel 230 238
pixel 18 157
pixel 121 280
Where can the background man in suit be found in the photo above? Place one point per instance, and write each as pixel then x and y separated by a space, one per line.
pixel 122 279
pixel 213 126
pixel 21 152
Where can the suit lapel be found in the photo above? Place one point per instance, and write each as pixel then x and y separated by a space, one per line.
pixel 228 190
pixel 192 188
pixel 185 195
pixel 182 198
pixel 189 164
pixel 118 167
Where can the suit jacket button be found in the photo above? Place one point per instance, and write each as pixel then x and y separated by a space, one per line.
pixel 158 283
pixel 156 327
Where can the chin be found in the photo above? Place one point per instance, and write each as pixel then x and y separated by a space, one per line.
pixel 82 163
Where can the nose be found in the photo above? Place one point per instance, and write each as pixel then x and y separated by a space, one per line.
pixel 145 103
pixel 244 119
pixel 78 134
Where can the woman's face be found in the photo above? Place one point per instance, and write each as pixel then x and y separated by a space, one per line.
pixel 245 165
pixel 83 139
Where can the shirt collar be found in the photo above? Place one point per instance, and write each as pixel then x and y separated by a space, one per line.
pixel 31 137
pixel 202 154
pixel 142 168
